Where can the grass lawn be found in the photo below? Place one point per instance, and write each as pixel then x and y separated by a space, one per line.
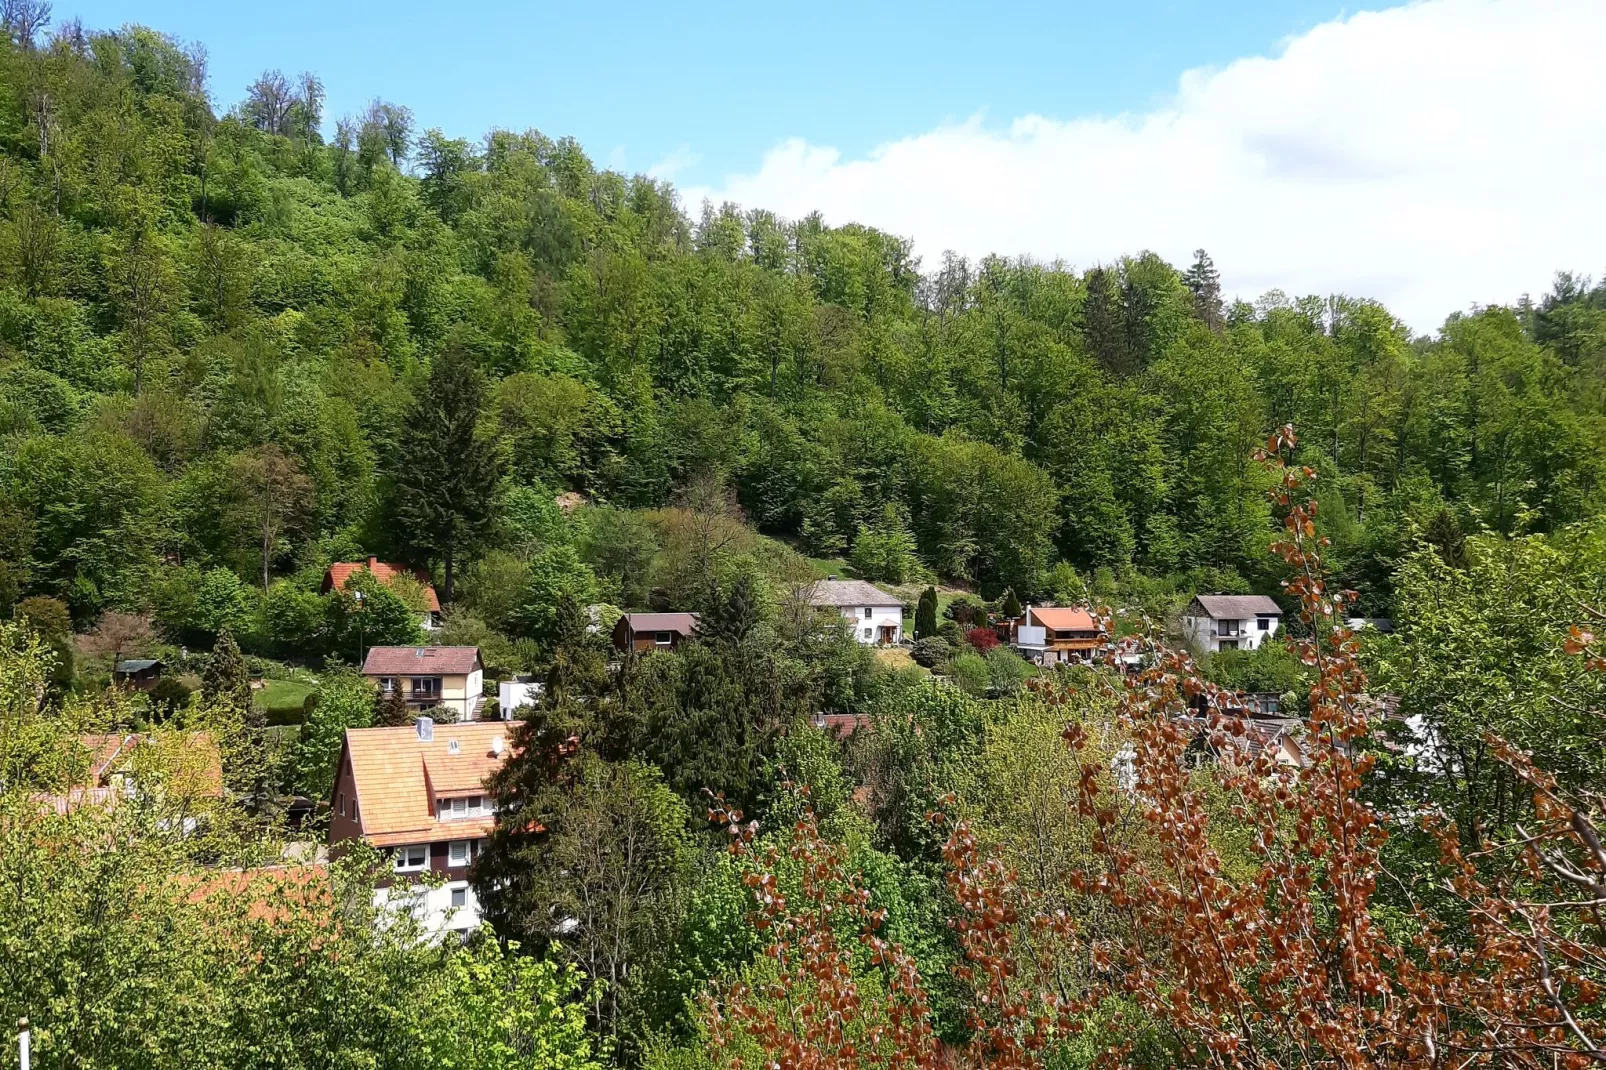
pixel 281 693
pixel 830 568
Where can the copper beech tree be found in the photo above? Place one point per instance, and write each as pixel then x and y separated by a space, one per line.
pixel 1287 965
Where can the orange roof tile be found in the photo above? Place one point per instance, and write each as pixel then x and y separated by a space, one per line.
pixel 398 777
pixel 1065 618
pixel 339 572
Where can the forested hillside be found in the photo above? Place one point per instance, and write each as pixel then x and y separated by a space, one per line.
pixel 220 311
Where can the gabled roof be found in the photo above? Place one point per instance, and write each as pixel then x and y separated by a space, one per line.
pixel 398 777
pixel 133 665
pixel 421 660
pixel 188 766
pixel 341 571
pixel 1237 606
pixel 683 623
pixel 1064 618
pixel 839 593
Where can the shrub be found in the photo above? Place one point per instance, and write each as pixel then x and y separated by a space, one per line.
pixel 983 639
pixel 969 672
pixel 931 651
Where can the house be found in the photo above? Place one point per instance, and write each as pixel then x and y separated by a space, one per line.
pixel 450 677
pixel 140 674
pixel 418 792
pixel 875 615
pixel 1230 621
pixel 184 769
pixel 1054 635
pixel 517 693
pixel 642 632
pixel 335 577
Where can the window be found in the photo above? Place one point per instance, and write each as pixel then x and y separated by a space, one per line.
pixel 413 857
pixel 387 685
pixel 457 853
pixel 342 804
pixel 426 686
pixel 354 809
pixel 868 634
pixel 1229 644
pixel 459 898
pixel 867 612
pixel 663 638
pixel 1263 623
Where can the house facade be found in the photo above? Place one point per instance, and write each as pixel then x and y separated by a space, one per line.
pixel 450 677
pixel 642 632
pixel 335 577
pixel 418 793
pixel 875 616
pixel 1055 635
pixel 1230 621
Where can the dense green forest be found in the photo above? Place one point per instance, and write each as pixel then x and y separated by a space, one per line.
pixel 241 340
pixel 218 331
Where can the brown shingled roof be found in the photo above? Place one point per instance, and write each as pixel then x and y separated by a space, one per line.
pixel 398 777
pixel 421 660
pixel 1238 606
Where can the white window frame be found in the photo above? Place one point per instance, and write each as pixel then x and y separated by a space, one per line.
pixel 432 690
pixel 452 849
pixel 387 685
pixel 403 859
pixel 456 894
pixel 663 638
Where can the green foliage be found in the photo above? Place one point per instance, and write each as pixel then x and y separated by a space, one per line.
pixel 886 550
pixel 226 679
pixel 926 614
pixel 345 700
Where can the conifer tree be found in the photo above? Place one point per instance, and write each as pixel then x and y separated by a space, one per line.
pixel 926 614
pixel 1204 282
pixel 444 473
pixel 226 678
pixel 1011 607
pixel 390 710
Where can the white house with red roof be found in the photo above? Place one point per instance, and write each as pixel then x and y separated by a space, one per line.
pixel 418 793
pixel 449 677
pixel 336 575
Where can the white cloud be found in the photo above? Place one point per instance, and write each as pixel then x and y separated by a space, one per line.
pixel 1433 156
pixel 678 160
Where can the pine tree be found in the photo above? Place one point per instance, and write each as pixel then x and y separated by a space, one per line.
pixel 444 474
pixel 1102 325
pixel 391 711
pixel 226 678
pixel 1204 281
pixel 926 614
pixel 737 615
pixel 1011 607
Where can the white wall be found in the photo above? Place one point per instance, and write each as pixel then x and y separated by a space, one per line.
pixel 432 907
pixel 880 617
pixel 1201 631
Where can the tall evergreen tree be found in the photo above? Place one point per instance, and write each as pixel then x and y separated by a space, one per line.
pixel 926 613
pixel 444 473
pixel 1204 282
pixel 1102 325
pixel 1011 607
pixel 226 677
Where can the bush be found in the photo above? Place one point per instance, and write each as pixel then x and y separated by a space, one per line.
pixel 966 610
pixel 969 672
pixel 1007 670
pixel 931 651
pixel 169 696
pixel 983 639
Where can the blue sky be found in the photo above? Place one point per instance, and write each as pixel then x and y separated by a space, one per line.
pixel 719 84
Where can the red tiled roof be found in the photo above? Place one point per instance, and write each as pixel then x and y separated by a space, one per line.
pixel 421 660
pixel 1064 618
pixel 398 777
pixel 341 571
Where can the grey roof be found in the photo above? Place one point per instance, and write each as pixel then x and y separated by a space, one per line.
pixel 850 593
pixel 1238 606
pixel 684 623
pixel 137 664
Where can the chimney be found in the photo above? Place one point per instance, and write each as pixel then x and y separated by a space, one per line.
pixel 426 730
pixel 373 564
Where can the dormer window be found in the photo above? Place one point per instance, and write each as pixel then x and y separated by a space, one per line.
pixel 461 808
